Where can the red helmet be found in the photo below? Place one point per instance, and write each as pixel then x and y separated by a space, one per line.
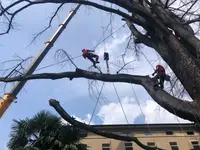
pixel 158 66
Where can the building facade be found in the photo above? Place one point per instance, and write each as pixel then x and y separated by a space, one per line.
pixel 165 136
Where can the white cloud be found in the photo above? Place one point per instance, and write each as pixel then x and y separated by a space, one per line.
pixel 113 46
pixel 156 114
pixel 112 113
pixel 85 120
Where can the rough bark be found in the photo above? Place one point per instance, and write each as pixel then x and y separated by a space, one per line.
pixel 55 104
pixel 177 27
pixel 177 57
pixel 184 109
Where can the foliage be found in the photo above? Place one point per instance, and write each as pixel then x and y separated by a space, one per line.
pixel 44 131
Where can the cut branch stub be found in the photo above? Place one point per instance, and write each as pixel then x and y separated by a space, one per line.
pixel 55 104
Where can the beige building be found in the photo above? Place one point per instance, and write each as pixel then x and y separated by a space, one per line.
pixel 166 136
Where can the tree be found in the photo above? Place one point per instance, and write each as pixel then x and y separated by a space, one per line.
pixel 169 29
pixel 44 131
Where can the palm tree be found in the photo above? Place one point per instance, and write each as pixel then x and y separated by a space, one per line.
pixel 44 131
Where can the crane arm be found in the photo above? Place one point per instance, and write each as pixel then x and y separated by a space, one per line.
pixel 11 96
pixel 6 102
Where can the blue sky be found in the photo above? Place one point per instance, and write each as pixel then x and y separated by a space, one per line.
pixel 84 31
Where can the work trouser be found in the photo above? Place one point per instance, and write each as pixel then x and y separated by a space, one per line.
pixel 161 77
pixel 90 56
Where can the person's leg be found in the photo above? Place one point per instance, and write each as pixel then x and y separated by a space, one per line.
pixel 162 80
pixel 156 80
pixel 96 57
pixel 89 56
pixel 91 59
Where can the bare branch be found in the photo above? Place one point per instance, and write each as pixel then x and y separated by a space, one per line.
pixel 12 17
pixel 135 7
pixel 55 104
pixel 166 4
pixel 144 39
pixel 172 2
pixel 65 53
pixel 189 8
pixel 192 21
pixel 121 13
pixel 50 22
pixel 124 64
pixel 16 69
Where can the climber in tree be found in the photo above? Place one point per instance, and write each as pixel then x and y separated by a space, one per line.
pixel 161 75
pixel 87 54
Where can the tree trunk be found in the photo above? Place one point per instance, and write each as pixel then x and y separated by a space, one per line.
pixel 184 65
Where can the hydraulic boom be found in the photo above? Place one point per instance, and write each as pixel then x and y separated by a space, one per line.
pixel 12 94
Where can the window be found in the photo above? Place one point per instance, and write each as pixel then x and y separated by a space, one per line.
pixel 195 145
pixel 173 145
pixel 106 146
pixel 151 144
pixel 190 133
pixel 169 133
pixel 147 134
pixel 128 146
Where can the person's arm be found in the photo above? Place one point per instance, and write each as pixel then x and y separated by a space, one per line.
pixel 155 72
pixel 91 50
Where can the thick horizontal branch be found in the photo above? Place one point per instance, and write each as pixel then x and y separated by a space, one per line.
pixel 55 104
pixel 78 74
pixel 184 109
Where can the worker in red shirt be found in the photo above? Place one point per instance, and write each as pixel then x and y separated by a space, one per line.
pixel 87 54
pixel 160 70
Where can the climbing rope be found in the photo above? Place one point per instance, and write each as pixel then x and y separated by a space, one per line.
pixel 172 107
pixel 57 63
pixel 108 36
pixel 135 96
pixel 96 102
pixel 120 103
pixel 102 41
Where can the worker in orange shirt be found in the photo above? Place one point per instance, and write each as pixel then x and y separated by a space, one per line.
pixel 160 70
pixel 86 53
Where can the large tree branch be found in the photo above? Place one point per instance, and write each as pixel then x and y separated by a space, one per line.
pixel 55 104
pixel 177 27
pixel 184 109
pixel 89 3
pixel 131 7
pixel 142 38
